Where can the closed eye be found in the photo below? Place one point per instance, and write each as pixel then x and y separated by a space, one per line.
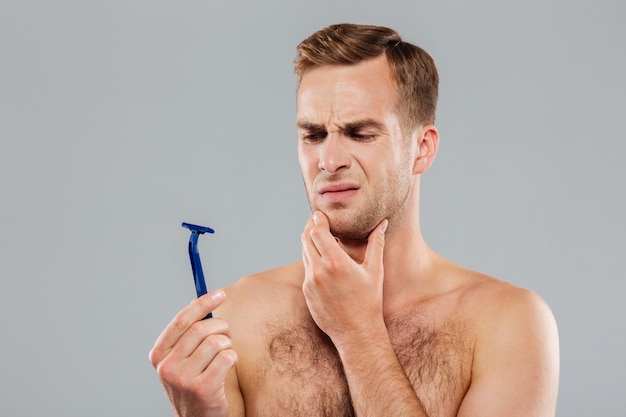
pixel 311 137
pixel 361 137
pixel 364 130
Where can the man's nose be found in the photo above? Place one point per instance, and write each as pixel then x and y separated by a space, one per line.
pixel 334 156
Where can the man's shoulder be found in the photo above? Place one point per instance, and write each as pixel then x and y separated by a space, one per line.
pixel 491 297
pixel 500 309
pixel 280 279
pixel 481 302
pixel 515 344
pixel 257 301
pixel 263 294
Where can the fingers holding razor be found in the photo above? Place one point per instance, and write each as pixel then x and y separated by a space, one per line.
pixel 193 356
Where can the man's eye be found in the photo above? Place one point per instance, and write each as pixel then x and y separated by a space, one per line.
pixel 314 137
pixel 362 137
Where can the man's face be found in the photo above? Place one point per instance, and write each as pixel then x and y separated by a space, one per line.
pixel 357 167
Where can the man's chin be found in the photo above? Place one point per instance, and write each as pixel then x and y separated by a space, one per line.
pixel 349 226
pixel 349 233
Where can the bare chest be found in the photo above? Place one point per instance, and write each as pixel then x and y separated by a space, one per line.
pixel 299 372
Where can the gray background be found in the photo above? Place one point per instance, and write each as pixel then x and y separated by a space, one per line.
pixel 120 119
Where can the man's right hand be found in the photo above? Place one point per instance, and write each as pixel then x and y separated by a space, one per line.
pixel 192 358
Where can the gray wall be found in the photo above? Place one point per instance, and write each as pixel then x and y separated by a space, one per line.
pixel 120 119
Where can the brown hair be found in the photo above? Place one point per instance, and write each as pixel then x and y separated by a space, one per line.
pixel 414 70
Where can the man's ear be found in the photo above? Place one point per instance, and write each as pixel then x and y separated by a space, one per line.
pixel 428 143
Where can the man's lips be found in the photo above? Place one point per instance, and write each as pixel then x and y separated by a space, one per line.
pixel 338 193
pixel 337 188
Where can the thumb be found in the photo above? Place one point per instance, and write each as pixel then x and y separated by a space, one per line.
pixel 209 302
pixel 376 244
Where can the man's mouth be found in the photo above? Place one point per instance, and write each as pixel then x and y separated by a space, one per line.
pixel 338 193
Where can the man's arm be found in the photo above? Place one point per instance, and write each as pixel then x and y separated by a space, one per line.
pixel 516 359
pixel 378 384
pixel 335 289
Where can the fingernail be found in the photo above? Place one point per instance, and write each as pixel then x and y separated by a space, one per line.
pixel 217 295
pixel 384 226
pixel 316 215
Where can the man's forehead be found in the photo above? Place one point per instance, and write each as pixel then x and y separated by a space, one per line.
pixel 346 93
pixel 372 76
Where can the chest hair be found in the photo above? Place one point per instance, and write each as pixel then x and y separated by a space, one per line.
pixel 301 374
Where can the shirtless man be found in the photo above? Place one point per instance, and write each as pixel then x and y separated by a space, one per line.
pixel 371 321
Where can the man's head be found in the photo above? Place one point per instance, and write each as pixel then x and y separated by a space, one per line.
pixel 365 103
pixel 413 69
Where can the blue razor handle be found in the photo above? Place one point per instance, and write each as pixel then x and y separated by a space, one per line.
pixel 194 257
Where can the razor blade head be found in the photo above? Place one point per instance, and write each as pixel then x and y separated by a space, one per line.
pixel 198 229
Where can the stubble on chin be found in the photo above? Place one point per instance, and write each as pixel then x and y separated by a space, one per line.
pixel 352 227
pixel 349 235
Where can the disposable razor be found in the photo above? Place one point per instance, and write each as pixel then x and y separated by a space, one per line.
pixel 194 258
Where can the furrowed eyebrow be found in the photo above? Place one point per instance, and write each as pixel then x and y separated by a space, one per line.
pixel 363 124
pixel 310 126
pixel 349 127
